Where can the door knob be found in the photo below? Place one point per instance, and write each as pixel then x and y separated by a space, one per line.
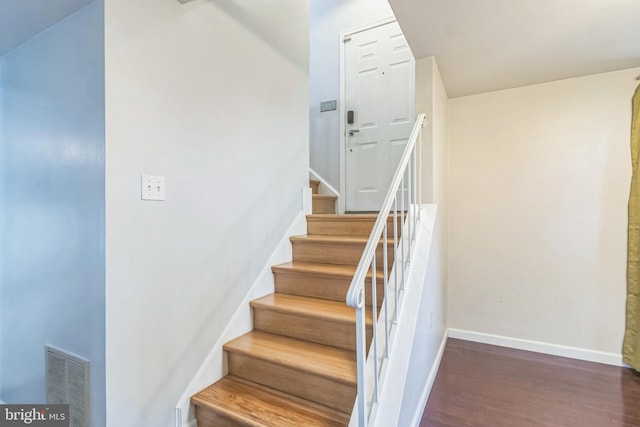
pixel 352 131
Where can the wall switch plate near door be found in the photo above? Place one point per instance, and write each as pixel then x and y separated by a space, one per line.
pixel 328 105
pixel 153 187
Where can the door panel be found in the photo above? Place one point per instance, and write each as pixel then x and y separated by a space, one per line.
pixel 380 89
pixel 368 98
pixel 399 75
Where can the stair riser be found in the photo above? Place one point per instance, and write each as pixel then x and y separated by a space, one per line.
pixel 207 418
pixel 325 287
pixel 323 206
pixel 331 393
pixel 345 254
pixel 336 334
pixel 314 186
pixel 346 227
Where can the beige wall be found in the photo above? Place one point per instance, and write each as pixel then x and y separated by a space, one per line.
pixel 425 69
pixel 213 95
pixel 539 180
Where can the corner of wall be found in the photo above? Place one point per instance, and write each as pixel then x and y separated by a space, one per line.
pixel 506 170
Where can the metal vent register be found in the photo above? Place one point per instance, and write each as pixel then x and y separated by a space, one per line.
pixel 68 382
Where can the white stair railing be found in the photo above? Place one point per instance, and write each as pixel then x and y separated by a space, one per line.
pixel 405 186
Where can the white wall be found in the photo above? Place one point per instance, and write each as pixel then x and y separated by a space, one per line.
pixel 539 181
pixel 52 142
pixel 431 98
pixel 328 19
pixel 212 95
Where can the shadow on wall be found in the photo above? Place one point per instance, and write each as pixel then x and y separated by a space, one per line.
pixel 267 230
pixel 255 20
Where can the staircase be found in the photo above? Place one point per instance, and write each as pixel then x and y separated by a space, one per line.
pixel 321 203
pixel 298 366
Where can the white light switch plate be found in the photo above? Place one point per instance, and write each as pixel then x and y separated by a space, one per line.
pixel 153 187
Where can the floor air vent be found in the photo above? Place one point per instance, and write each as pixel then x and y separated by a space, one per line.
pixel 68 382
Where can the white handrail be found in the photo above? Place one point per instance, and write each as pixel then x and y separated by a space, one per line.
pixel 357 284
pixel 409 165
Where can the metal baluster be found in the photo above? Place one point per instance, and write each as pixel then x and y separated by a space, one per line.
pixel 374 315
pixel 386 283
pixel 420 173
pixel 409 208
pixel 403 237
pixel 395 257
pixel 407 180
pixel 415 194
pixel 361 350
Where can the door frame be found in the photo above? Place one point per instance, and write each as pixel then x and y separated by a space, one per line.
pixel 343 97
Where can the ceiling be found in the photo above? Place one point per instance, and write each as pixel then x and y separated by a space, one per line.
pixel 487 45
pixel 22 19
pixel 480 45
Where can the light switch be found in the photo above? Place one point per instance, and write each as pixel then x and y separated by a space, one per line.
pixel 153 187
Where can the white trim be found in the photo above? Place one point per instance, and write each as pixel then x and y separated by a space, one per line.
pixel 417 417
pixel 539 347
pixel 343 34
pixel 325 187
pixel 214 365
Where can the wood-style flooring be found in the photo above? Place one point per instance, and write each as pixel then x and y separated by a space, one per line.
pixel 484 385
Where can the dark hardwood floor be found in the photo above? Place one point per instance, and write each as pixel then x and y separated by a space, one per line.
pixel 484 385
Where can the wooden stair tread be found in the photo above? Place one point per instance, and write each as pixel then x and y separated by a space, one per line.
pixel 332 270
pixel 298 366
pixel 349 225
pixel 346 217
pixel 338 240
pixel 324 197
pixel 314 182
pixel 324 281
pixel 329 362
pixel 251 404
pixel 316 308
pixel 332 249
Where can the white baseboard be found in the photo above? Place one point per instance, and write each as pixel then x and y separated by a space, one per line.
pixel 539 347
pixel 214 366
pixel 424 397
pixel 325 187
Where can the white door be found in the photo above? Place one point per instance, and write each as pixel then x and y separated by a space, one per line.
pixel 380 91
